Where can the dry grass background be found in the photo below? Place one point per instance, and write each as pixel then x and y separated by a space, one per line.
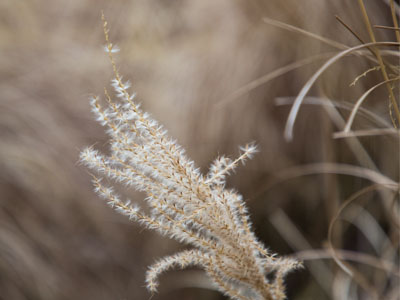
pixel 185 58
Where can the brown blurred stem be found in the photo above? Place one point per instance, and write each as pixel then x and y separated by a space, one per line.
pixel 394 17
pixel 379 57
pixel 352 31
pixel 357 36
pixel 386 27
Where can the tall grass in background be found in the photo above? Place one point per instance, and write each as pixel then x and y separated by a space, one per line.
pixel 352 280
pixel 317 93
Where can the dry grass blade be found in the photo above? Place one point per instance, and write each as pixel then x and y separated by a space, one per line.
pixel 332 168
pixel 304 32
pixel 300 98
pixel 394 18
pixel 362 156
pixel 272 75
pixel 386 27
pixel 309 100
pixel 361 100
pixel 354 256
pixel 370 49
pixel 317 37
pixel 380 60
pixel 362 219
pixel 367 132
pixel 390 53
pixel 394 7
pixel 344 265
pixel 392 213
pixel 350 29
pixel 296 240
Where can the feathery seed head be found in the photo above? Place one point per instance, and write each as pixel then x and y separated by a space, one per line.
pixel 184 205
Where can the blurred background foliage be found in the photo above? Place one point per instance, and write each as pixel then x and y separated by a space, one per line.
pixel 187 61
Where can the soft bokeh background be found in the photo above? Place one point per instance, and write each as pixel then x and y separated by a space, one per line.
pixel 186 59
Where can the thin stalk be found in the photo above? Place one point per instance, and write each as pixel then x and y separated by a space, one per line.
pixel 359 39
pixel 379 57
pixel 351 30
pixel 395 23
pixel 300 98
pixel 386 27
pixel 361 100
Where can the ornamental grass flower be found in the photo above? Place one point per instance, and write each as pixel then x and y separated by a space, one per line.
pixel 185 205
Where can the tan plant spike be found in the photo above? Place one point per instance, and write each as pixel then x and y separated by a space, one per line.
pixel 185 205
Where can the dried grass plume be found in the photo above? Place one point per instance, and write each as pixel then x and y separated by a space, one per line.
pixel 184 204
